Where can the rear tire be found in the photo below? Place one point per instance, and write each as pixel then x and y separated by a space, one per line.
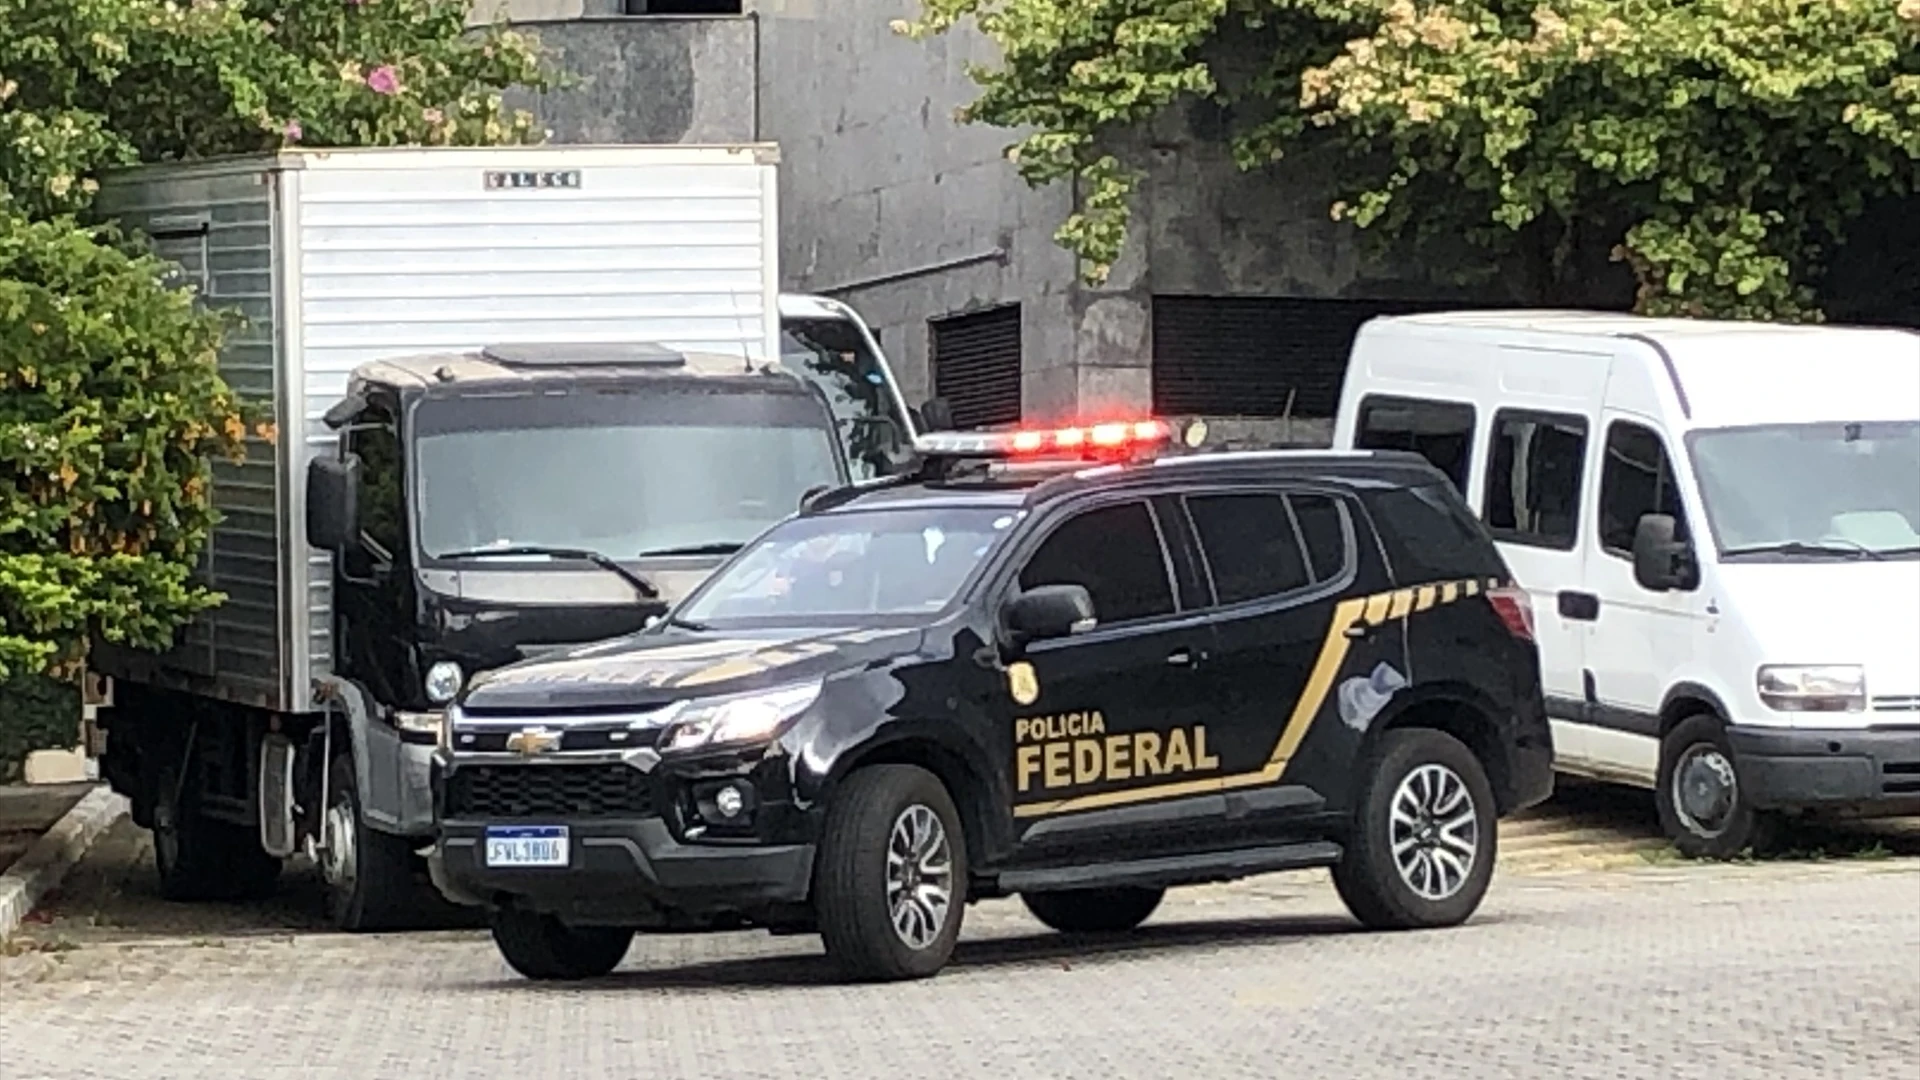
pixel 544 948
pixel 1703 809
pixel 890 889
pixel 1423 843
pixel 369 874
pixel 199 858
pixel 1093 911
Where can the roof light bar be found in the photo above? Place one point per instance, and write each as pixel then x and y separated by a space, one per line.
pixel 1097 440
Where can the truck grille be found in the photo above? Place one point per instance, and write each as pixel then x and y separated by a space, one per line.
pixel 533 791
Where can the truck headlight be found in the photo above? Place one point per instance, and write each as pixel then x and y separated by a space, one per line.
pixel 741 718
pixel 1813 687
pixel 444 681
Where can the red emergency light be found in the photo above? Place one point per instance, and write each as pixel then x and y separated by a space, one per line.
pixel 1092 441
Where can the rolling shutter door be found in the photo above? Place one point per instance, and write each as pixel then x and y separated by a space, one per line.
pixel 976 365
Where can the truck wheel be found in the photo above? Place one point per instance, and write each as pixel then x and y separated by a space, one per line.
pixel 542 947
pixel 1093 911
pixel 1703 809
pixel 202 859
pixel 891 884
pixel 1422 846
pixel 368 873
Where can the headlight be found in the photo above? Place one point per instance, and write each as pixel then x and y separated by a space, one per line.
pixel 743 718
pixel 443 682
pixel 1813 687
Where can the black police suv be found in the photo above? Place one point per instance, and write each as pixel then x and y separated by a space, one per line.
pixel 1081 666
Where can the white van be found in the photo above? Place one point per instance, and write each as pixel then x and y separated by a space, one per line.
pixel 1719 527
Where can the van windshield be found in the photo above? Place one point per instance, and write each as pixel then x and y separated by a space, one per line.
pixel 1796 491
pixel 835 356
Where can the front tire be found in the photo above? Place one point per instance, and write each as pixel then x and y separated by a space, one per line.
pixel 891 884
pixel 543 948
pixel 368 873
pixel 1703 808
pixel 1423 844
pixel 1093 911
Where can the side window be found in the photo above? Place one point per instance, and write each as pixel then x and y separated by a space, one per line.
pixel 375 437
pixel 1115 553
pixel 1250 544
pixel 1323 525
pixel 1636 479
pixel 1430 535
pixel 1534 467
pixel 1440 431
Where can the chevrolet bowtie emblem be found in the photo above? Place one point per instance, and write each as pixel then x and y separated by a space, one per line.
pixel 533 740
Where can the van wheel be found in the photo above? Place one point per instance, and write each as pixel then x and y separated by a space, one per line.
pixel 544 948
pixel 1093 911
pixel 1703 809
pixel 199 858
pixel 1423 842
pixel 368 873
pixel 891 883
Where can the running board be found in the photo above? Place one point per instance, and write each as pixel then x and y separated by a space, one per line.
pixel 1175 869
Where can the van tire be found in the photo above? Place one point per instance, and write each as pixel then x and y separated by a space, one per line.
pixel 543 948
pixel 1093 911
pixel 199 858
pixel 382 892
pixel 854 878
pixel 1405 764
pixel 1703 807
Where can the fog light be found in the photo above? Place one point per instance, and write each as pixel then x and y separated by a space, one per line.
pixel 729 801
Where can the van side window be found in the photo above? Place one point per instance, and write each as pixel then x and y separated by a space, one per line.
pixel 1440 431
pixel 1128 580
pixel 1534 467
pixel 1637 479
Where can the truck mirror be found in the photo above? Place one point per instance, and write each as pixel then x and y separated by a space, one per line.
pixel 1049 611
pixel 333 501
pixel 1660 562
pixel 936 414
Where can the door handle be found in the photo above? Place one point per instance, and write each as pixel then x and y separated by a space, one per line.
pixel 1359 631
pixel 1584 607
pixel 1182 658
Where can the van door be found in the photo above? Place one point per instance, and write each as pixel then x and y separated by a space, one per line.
pixel 1536 472
pixel 1641 636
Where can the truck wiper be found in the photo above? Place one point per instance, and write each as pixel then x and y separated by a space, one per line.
pixel 688 624
pixel 719 547
pixel 641 585
pixel 1801 547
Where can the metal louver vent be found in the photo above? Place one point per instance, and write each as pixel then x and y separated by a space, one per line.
pixel 976 365
pixel 1251 356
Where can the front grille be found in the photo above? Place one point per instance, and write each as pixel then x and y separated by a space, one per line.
pixel 535 791
pixel 1897 703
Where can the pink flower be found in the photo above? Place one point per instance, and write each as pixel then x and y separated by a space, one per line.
pixel 384 80
pixel 433 116
pixel 293 132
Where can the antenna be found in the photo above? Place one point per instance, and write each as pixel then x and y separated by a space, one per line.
pixel 740 324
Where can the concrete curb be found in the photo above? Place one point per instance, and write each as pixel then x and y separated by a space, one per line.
pixel 45 864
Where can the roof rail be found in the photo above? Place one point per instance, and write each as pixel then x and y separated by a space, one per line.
pixel 618 354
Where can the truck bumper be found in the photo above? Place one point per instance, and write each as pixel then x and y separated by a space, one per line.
pixel 1861 773
pixel 630 873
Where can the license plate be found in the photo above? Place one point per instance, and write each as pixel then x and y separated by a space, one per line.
pixel 527 845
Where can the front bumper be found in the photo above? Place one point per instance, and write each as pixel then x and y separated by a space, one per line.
pixel 1869 773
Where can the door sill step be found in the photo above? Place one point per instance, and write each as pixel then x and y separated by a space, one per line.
pixel 1175 869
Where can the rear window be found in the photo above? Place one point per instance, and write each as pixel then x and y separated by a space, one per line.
pixel 1429 534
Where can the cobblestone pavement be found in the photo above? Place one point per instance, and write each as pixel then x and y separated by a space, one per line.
pixel 1594 957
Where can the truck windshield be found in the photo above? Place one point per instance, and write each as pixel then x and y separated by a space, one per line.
pixel 834 354
pixel 618 474
pixel 1812 490
pixel 857 566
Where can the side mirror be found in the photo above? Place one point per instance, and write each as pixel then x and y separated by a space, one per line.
pixel 813 493
pixel 1050 611
pixel 936 414
pixel 333 503
pixel 1660 562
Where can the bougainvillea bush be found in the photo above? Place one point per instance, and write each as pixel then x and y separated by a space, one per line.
pixel 111 405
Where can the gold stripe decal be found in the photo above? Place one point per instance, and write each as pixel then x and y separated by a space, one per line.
pixel 1372 610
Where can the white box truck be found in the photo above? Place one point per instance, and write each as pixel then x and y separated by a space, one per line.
pixel 525 398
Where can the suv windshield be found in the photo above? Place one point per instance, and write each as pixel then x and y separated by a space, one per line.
pixel 618 474
pixel 852 566
pixel 834 354
pixel 1812 490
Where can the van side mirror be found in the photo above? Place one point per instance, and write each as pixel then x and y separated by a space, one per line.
pixel 1660 562
pixel 936 414
pixel 1049 611
pixel 333 503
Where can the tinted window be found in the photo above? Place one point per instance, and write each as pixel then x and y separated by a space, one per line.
pixel 835 356
pixel 1115 553
pixel 1250 545
pixel 376 440
pixel 1534 467
pixel 1440 431
pixel 1323 527
pixel 1637 479
pixel 1430 535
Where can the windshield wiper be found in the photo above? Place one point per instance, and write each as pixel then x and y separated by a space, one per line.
pixel 688 624
pixel 1801 547
pixel 641 585
pixel 718 547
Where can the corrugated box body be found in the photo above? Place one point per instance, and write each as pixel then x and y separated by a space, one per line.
pixel 340 257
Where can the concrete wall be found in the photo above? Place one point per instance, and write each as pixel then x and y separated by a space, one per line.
pixel 651 79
